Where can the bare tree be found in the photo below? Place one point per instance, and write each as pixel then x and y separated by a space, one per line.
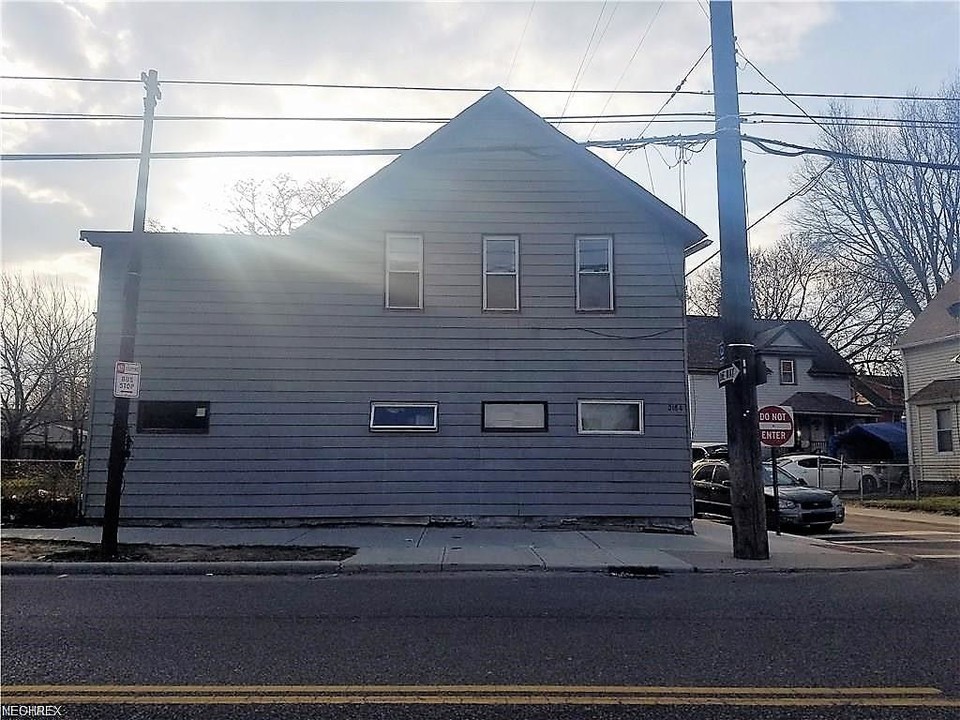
pixel 795 280
pixel 895 224
pixel 279 205
pixel 47 340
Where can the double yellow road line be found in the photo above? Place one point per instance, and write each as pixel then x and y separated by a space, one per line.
pixel 472 695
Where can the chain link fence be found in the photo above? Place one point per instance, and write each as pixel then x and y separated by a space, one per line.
pixel 40 492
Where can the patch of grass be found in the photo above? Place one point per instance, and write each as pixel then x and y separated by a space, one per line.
pixel 69 551
pixel 947 505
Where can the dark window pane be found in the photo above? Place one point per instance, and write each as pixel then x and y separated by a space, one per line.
pixel 595 292
pixel 501 292
pixel 594 255
pixel 173 416
pixel 404 290
pixel 501 256
pixel 610 417
pixel 404 254
pixel 515 416
pixel 404 416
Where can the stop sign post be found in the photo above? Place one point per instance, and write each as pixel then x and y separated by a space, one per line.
pixel 776 429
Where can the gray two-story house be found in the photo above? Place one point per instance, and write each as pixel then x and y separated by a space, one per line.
pixel 490 327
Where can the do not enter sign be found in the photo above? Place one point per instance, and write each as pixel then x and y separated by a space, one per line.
pixel 776 425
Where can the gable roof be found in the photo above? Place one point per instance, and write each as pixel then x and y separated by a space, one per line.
pixel 500 122
pixel 940 319
pixel 704 336
pixel 884 392
pixel 821 403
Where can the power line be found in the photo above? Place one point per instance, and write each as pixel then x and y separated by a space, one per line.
pixel 636 50
pixel 672 95
pixel 794 150
pixel 523 35
pixel 426 88
pixel 703 116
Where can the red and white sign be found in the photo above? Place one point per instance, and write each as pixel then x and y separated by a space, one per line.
pixel 776 425
pixel 126 380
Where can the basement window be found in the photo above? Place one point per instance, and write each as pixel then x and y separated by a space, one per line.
pixel 610 417
pixel 403 417
pixel 173 417
pixel 514 416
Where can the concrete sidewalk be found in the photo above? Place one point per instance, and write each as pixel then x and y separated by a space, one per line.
pixel 448 549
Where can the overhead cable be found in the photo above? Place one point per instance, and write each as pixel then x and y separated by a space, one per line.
pixel 425 88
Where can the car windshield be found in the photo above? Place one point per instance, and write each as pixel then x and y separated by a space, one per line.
pixel 783 477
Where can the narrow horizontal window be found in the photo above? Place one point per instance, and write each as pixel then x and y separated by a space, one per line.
pixel 404 277
pixel 514 416
pixel 616 417
pixel 595 272
pixel 501 276
pixel 403 417
pixel 166 416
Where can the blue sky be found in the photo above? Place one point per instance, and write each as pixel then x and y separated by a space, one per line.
pixel 820 46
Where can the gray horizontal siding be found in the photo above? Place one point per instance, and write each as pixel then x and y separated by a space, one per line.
pixel 288 341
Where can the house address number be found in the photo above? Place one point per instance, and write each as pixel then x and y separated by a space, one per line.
pixel 678 408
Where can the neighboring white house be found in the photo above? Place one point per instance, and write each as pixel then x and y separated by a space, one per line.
pixel 931 379
pixel 806 373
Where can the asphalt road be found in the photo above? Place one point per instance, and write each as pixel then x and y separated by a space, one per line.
pixel 532 645
pixel 930 539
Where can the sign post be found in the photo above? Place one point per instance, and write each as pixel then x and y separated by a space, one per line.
pixel 776 428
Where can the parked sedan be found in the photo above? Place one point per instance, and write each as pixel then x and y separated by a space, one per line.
pixel 801 506
pixel 822 471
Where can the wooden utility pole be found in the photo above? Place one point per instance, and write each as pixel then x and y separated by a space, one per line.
pixel 736 309
pixel 120 437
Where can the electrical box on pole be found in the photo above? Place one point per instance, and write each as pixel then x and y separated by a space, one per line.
pixel 736 308
pixel 120 436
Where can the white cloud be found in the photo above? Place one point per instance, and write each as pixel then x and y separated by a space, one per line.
pixel 78 269
pixel 45 195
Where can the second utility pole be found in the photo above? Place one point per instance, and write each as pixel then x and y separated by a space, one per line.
pixel 120 437
pixel 736 308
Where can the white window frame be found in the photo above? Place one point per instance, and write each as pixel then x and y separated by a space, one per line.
pixel 579 273
pixel 518 428
pixel 387 271
pixel 793 371
pixel 948 430
pixel 515 273
pixel 405 428
pixel 581 403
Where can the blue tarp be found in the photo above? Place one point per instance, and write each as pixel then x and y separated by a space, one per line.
pixel 871 441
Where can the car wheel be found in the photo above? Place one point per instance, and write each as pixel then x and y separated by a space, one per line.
pixel 870 484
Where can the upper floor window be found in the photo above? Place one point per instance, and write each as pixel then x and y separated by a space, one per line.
pixel 944 430
pixel 595 272
pixel 404 278
pixel 788 372
pixel 501 276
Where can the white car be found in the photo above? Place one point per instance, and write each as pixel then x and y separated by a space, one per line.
pixel 822 471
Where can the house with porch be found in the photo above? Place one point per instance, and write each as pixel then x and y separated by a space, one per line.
pixel 804 372
pixel 931 381
pixel 489 329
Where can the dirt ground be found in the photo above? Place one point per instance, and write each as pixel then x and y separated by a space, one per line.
pixel 18 549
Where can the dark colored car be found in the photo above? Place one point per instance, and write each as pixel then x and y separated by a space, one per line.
pixel 705 450
pixel 801 506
